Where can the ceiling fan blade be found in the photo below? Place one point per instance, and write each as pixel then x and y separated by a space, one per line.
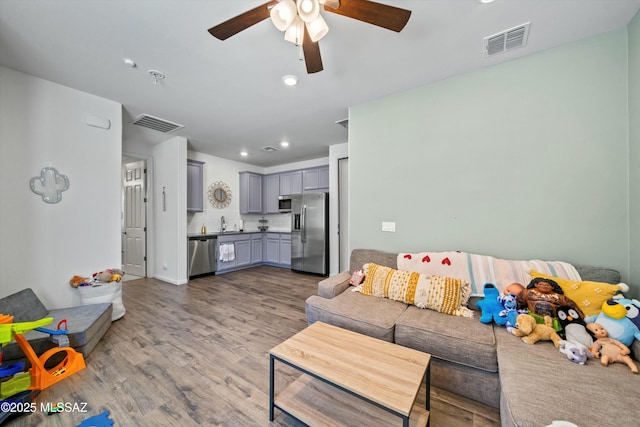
pixel 385 16
pixel 311 51
pixel 241 22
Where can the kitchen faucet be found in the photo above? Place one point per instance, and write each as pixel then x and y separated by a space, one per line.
pixel 223 225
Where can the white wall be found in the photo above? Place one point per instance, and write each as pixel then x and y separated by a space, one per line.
pixel 526 159
pixel 43 245
pixel 170 210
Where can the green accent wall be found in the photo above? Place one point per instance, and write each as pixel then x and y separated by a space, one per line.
pixel 527 159
pixel 634 152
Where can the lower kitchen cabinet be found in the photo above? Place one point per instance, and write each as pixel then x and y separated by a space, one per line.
pixel 278 249
pixel 243 253
pixel 253 249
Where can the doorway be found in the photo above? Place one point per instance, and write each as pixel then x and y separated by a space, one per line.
pixel 134 218
pixel 343 212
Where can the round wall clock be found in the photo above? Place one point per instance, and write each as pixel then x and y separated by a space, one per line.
pixel 219 195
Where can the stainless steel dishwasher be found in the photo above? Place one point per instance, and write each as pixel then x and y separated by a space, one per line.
pixel 202 255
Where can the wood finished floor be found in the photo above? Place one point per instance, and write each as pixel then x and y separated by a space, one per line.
pixel 197 355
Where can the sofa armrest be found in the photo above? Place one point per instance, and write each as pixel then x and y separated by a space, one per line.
pixel 334 285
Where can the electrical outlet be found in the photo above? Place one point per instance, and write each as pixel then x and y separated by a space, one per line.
pixel 389 226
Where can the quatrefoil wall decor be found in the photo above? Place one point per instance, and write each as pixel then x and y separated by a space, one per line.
pixel 50 185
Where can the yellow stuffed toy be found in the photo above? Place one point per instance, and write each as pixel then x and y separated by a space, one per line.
pixel 532 332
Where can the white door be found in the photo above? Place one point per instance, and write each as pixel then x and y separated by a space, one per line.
pixel 343 209
pixel 134 221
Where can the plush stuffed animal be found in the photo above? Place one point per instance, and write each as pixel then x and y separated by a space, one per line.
pixel 543 297
pixel 532 332
pixel 573 326
pixel 575 351
pixel 510 310
pixel 613 318
pixel 490 305
pixel 609 350
pixel 78 281
pixel 108 275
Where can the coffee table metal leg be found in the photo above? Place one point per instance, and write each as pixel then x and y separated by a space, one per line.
pixel 271 407
pixel 427 380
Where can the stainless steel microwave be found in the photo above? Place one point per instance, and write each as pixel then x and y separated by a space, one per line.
pixel 284 204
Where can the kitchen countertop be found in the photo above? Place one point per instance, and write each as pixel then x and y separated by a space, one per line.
pixel 231 233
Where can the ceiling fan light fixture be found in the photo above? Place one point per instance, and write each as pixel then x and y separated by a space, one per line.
pixel 308 10
pixel 283 13
pixel 295 32
pixel 317 28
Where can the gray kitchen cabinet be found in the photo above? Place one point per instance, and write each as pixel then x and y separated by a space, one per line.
pixel 316 178
pixel 243 252
pixel 225 265
pixel 285 250
pixel 250 194
pixel 290 183
pixel 195 195
pixel 271 192
pixel 272 245
pixel 256 248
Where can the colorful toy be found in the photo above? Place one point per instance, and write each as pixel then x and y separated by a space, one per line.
pixel 490 305
pixel 532 332
pixel 573 326
pixel 79 281
pixel 543 297
pixel 510 310
pixel 613 319
pixel 609 350
pixel 100 420
pixel 108 275
pixel 575 351
pixel 41 377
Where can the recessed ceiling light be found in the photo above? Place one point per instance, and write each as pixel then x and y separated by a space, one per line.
pixel 284 144
pixel 244 153
pixel 486 1
pixel 290 80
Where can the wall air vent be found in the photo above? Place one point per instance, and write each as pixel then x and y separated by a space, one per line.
pixel 156 123
pixel 506 40
pixel 344 123
pixel 269 149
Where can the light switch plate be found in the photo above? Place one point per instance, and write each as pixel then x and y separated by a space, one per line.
pixel 389 226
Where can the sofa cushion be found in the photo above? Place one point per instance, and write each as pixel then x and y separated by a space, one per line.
pixel 375 317
pixel 539 385
pixel 456 339
pixel 443 294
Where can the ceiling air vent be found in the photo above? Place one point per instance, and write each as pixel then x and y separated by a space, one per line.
pixel 269 149
pixel 156 123
pixel 344 123
pixel 506 40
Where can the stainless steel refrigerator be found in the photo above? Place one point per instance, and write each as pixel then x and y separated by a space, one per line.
pixel 310 233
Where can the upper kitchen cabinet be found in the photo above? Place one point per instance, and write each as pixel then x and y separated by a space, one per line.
pixel 315 178
pixel 250 194
pixel 290 183
pixel 271 191
pixel 195 195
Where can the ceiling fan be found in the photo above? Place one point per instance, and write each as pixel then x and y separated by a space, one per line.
pixel 303 24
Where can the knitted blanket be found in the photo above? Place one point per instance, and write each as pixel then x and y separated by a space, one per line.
pixel 481 269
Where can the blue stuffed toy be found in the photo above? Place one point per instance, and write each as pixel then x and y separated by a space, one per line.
pixel 491 306
pixel 618 317
pixel 510 310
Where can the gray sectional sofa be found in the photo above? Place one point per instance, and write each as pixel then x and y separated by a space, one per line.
pixel 532 385
pixel 86 324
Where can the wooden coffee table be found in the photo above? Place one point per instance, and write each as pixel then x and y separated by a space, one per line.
pixel 341 369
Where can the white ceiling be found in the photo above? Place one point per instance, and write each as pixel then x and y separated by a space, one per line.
pixel 229 95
